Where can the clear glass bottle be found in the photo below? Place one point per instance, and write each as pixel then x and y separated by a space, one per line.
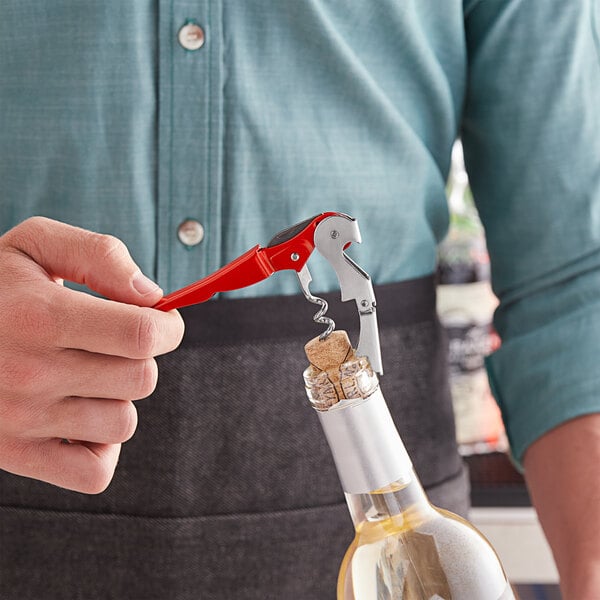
pixel 404 548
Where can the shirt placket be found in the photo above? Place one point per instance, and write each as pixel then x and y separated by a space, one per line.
pixel 189 141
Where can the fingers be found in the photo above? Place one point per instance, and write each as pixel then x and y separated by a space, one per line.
pixel 86 468
pixel 71 363
pixel 97 325
pixel 98 420
pixel 101 262
pixel 36 312
pixel 62 318
pixel 98 376
pixel 75 373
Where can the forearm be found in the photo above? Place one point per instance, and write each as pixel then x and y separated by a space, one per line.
pixel 563 476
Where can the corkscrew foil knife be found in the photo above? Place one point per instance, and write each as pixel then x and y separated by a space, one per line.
pixel 330 233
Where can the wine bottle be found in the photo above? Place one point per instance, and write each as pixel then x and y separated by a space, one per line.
pixel 465 305
pixel 404 548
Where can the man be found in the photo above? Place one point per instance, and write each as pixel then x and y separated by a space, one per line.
pixel 191 132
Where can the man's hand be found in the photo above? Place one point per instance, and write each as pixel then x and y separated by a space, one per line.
pixel 71 364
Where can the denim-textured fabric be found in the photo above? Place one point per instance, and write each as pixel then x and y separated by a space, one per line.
pixel 228 488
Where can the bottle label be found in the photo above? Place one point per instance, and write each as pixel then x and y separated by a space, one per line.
pixel 468 344
pixel 466 312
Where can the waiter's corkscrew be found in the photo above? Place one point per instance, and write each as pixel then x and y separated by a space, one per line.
pixel 330 233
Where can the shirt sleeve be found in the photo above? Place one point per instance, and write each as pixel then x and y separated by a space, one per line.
pixel 531 136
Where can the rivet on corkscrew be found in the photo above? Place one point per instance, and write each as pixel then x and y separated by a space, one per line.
pixel 319 317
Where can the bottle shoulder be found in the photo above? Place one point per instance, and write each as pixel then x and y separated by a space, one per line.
pixel 434 552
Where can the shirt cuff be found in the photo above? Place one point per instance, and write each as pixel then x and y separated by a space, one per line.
pixel 546 377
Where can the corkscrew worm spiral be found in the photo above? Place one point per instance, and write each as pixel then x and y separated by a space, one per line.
pixel 305 278
pixel 319 316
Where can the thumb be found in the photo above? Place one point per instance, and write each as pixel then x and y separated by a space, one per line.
pixel 102 262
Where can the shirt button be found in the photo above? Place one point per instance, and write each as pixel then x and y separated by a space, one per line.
pixel 190 232
pixel 191 36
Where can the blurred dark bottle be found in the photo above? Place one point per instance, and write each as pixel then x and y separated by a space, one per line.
pixel 466 306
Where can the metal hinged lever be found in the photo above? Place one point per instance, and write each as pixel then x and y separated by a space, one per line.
pixel 332 236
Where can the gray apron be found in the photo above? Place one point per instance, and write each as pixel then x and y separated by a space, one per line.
pixel 227 489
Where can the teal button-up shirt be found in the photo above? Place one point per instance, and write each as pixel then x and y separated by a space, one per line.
pixel 292 108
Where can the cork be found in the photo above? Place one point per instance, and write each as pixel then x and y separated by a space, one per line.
pixel 336 373
pixel 330 353
pixel 326 357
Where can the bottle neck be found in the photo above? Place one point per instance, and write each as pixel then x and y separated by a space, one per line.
pixel 365 444
pixel 375 470
pixel 403 501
